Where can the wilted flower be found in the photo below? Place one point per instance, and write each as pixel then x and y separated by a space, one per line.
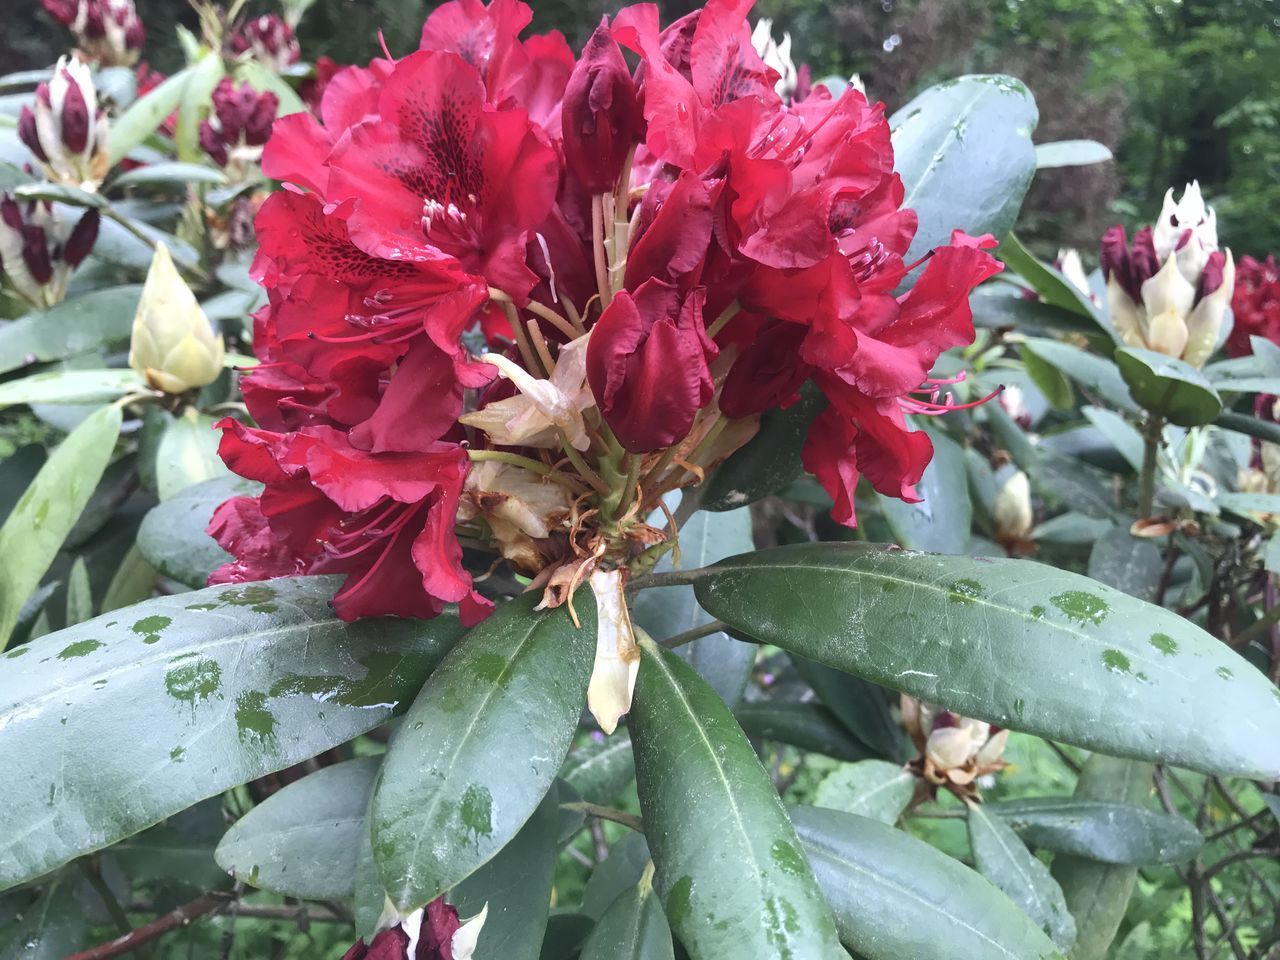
pixel 173 344
pixel 268 40
pixel 107 32
pixel 67 131
pixel 954 750
pixel 433 932
pixel 1013 515
pixel 38 249
pixel 524 298
pixel 1170 291
pixel 239 124
pixel 1256 304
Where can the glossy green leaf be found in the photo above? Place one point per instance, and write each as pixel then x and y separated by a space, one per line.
pixel 723 662
pixel 61 193
pixel 16 473
pixel 633 928
pixel 303 841
pixel 53 927
pixel 1128 563
pixel 79 325
pixel 516 884
pixel 132 582
pixel 1012 642
pixel 172 537
pixel 179 849
pixel 729 868
pixel 145 115
pixel 1096 374
pixel 566 933
pixel 1124 436
pixel 195 103
pixel 79 593
pixel 1003 305
pixel 1050 381
pixel 940 521
pixel 1003 858
pixel 37 526
pixel 861 706
pixel 1102 830
pixel 872 788
pixel 480 746
pixel 1168 386
pixel 229 684
pixel 804 725
pixel 1048 282
pixel 898 898
pixel 1070 153
pixel 1098 893
pixel 622 868
pixel 70 386
pixel 600 771
pixel 169 174
pixel 770 460
pixel 963 149
pixel 182 450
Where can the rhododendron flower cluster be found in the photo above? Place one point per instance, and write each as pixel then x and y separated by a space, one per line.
pixel 66 130
pixel 39 248
pixel 1256 304
pixel 239 124
pixel 517 296
pixel 268 40
pixel 107 31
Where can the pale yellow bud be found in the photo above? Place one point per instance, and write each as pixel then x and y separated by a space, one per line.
pixel 173 344
pixel 1012 509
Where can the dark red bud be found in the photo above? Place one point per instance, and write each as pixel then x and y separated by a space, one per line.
pixel 64 11
pixel 1211 277
pixel 83 236
pixel 29 136
pixel 1114 254
pixel 75 117
pixel 95 26
pixel 212 143
pixel 257 130
pixel 35 254
pixel 1145 262
pixel 600 118
pixel 11 213
pixel 135 36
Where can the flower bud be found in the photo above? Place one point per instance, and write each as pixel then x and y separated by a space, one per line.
pixel 433 932
pixel 173 346
pixel 1170 292
pixel 1013 514
pixel 268 40
pixel 107 32
pixel 38 249
pixel 240 123
pixel 617 663
pixel 600 117
pixel 955 750
pixel 66 130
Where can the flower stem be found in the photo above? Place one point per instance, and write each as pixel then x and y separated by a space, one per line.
pixel 607 813
pixel 727 314
pixel 597 245
pixel 680 639
pixel 584 470
pixel 501 456
pixel 553 318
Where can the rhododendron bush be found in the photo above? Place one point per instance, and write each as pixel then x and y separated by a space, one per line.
pixel 501 480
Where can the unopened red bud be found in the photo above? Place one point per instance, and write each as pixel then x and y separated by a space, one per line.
pixel 29 136
pixel 601 117
pixel 83 236
pixel 75 117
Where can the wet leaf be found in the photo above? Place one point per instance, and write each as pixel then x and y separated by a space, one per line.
pixel 1102 830
pixel 872 788
pixel 79 325
pixel 172 537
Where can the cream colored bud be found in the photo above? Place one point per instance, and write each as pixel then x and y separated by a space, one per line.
pixel 1205 322
pixel 173 345
pixel 613 677
pixel 1176 218
pixel 776 55
pixel 1012 510
pixel 66 129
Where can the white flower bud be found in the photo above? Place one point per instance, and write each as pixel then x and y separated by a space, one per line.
pixel 173 345
pixel 65 129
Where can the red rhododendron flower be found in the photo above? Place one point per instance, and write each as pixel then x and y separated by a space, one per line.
pixel 587 280
pixel 1256 304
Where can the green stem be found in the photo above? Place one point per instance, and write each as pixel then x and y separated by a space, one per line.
pixel 680 639
pixel 607 813
pixel 1256 629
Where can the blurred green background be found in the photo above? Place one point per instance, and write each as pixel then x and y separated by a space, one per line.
pixel 1180 89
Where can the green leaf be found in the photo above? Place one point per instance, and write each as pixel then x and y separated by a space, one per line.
pixel 1126 562
pixel 1003 305
pixel 770 460
pixel 16 473
pixel 1169 387
pixel 724 662
pixel 1119 431
pixel 1002 858
pixel 1089 370
pixel 516 884
pixel 859 705
pixel 179 849
pixel 54 927
pixel 1102 830
pixel 169 174
pixel 566 933
pixel 60 193
pixel 196 98
pixel 804 725
pixel 729 868
pixel 1098 893
pixel 1070 153
pixel 133 582
pixel 172 537
pixel 1050 381
pixel 194 693
pixel 79 325
pixel 600 771
pixel 633 928
pixel 872 788
pixel 79 594
pixel 303 841
pixel 622 868
pixel 70 386
pixel 963 149
pixel 145 115
pixel 480 747
pixel 940 521
pixel 1011 642
pixel 39 523
pixel 180 452
pixel 1048 282
pixel 898 898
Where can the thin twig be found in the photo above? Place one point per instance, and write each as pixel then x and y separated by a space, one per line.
pixel 680 639
pixel 607 813
pixel 179 917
